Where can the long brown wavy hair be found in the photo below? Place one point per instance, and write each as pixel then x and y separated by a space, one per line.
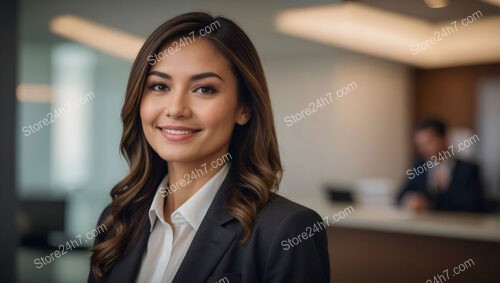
pixel 255 168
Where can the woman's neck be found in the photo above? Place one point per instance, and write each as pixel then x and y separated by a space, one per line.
pixel 184 180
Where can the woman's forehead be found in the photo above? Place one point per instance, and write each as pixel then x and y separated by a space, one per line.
pixel 197 57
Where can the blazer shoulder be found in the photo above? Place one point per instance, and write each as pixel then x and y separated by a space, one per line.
pixel 469 165
pixel 280 209
pixel 105 212
pixel 281 205
pixel 290 236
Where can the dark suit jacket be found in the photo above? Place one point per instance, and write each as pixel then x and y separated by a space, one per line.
pixel 463 194
pixel 215 253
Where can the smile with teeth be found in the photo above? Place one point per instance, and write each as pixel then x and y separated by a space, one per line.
pixel 178 132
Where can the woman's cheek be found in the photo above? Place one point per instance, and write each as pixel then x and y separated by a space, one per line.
pixel 149 110
pixel 218 112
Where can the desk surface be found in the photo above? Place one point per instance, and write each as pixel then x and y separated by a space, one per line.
pixel 392 219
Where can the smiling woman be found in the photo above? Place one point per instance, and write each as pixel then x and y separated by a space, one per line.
pixel 193 108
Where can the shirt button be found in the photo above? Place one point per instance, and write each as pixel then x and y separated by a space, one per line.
pixel 177 219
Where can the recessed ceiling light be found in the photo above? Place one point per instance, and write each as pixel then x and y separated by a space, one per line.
pixel 436 3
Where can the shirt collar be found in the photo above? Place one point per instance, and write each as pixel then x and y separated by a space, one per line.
pixel 195 208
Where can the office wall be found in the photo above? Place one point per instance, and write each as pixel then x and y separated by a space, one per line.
pixel 363 134
pixel 488 121
pixel 451 93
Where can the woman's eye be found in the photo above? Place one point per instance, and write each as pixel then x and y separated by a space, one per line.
pixel 158 87
pixel 205 89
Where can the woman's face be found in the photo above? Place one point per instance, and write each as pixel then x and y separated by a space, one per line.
pixel 189 106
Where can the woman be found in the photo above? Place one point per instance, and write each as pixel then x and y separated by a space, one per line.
pixel 199 137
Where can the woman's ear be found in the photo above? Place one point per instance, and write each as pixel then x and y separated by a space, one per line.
pixel 243 115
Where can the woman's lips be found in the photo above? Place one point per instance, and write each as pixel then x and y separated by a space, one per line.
pixel 178 133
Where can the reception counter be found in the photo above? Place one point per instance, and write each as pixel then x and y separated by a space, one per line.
pixel 370 243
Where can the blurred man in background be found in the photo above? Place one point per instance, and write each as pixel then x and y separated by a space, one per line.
pixel 438 180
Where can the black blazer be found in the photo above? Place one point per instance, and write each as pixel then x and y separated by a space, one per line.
pixel 215 253
pixel 463 194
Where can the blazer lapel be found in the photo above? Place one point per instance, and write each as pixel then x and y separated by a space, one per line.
pixel 126 269
pixel 211 240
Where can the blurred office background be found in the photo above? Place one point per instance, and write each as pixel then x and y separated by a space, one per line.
pixel 360 145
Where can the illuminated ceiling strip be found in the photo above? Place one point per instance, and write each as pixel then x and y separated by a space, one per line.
pixel 390 35
pixel 106 39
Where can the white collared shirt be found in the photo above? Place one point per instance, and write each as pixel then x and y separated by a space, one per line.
pixel 444 167
pixel 166 250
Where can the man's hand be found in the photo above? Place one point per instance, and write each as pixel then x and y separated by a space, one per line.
pixel 416 201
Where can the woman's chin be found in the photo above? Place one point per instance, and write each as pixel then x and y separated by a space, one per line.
pixel 176 157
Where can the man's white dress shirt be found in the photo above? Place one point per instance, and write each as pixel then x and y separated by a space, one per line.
pixel 167 249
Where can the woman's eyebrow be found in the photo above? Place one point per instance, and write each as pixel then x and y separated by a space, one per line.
pixel 160 74
pixel 205 75
pixel 192 78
